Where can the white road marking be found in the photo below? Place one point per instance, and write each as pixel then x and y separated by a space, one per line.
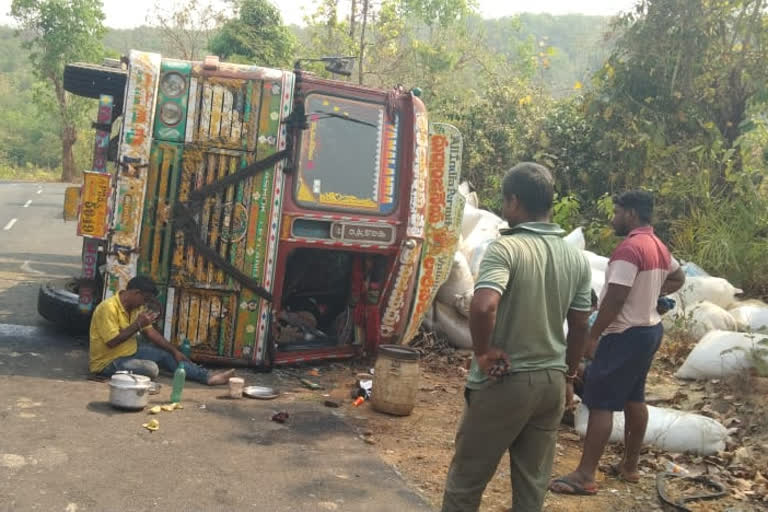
pixel 10 225
pixel 26 205
pixel 26 268
pixel 39 191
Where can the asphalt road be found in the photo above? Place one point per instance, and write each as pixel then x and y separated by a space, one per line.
pixel 35 245
pixel 63 447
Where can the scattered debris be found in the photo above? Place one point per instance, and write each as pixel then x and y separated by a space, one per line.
pixel 310 385
pixel 677 490
pixel 331 403
pixel 280 417
pixel 152 425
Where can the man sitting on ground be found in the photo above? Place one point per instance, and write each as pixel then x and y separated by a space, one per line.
pixel 114 344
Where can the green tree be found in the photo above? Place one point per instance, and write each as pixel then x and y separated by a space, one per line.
pixel 674 96
pixel 256 35
pixel 57 32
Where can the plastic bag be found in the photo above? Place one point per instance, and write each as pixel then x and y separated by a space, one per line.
pixel 693 270
pixel 723 353
pixel 451 325
pixel 713 289
pixel 668 429
pixel 576 238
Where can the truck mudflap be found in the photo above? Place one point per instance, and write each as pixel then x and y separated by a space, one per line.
pixel 444 211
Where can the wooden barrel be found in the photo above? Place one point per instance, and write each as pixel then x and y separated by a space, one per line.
pixel 395 380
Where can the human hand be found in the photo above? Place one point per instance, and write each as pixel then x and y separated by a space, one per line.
pixel 494 362
pixel 569 403
pixel 180 357
pixel 146 318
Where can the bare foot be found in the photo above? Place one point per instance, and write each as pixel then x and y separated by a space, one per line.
pixel 219 378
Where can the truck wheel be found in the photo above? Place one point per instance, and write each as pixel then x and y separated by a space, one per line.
pixel 92 80
pixel 58 302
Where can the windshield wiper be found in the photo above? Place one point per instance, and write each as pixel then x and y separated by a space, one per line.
pixel 326 115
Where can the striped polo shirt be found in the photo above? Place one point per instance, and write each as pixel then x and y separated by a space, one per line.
pixel 642 262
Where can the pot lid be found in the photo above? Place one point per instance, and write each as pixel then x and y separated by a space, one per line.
pixel 125 379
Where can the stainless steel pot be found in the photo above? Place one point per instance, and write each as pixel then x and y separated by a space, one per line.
pixel 128 391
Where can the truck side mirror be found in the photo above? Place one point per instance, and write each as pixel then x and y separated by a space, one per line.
pixel 342 67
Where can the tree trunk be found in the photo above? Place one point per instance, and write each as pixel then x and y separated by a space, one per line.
pixel 362 38
pixel 68 138
pixel 68 132
pixel 332 17
pixel 352 15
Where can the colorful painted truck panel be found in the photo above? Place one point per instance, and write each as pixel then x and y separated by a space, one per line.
pixel 284 217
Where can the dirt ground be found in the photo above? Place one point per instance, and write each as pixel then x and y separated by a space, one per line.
pixel 328 455
pixel 420 446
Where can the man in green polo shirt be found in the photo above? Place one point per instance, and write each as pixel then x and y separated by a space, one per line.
pixel 522 373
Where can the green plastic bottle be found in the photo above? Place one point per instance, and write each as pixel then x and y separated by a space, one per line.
pixel 179 376
pixel 186 348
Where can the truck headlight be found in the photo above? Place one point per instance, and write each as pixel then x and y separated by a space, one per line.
pixel 173 85
pixel 170 113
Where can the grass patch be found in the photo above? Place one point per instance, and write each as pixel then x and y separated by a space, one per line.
pixel 28 173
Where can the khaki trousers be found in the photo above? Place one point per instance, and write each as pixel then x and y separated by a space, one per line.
pixel 518 414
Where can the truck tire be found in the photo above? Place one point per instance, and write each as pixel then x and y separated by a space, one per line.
pixel 58 302
pixel 92 80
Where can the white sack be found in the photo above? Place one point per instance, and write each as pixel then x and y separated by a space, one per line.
pixel 476 221
pixel 470 219
pixel 576 238
pixel 751 316
pixel 453 326
pixel 598 281
pixel 475 256
pixel 596 261
pixel 429 318
pixel 707 360
pixel 459 280
pixel 463 303
pixel 705 317
pixel 713 289
pixel 668 429
pixel 470 197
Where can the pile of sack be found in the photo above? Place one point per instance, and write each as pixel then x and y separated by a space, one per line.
pixel 731 335
pixel 450 311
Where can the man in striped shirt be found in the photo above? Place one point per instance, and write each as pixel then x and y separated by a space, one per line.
pixel 629 331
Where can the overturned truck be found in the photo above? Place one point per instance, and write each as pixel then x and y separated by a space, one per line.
pixel 285 217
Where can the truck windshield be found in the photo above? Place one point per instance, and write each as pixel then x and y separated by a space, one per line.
pixel 349 156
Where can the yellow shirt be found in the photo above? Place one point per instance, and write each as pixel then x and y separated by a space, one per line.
pixel 109 318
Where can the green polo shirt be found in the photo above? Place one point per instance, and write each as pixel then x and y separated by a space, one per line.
pixel 540 277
